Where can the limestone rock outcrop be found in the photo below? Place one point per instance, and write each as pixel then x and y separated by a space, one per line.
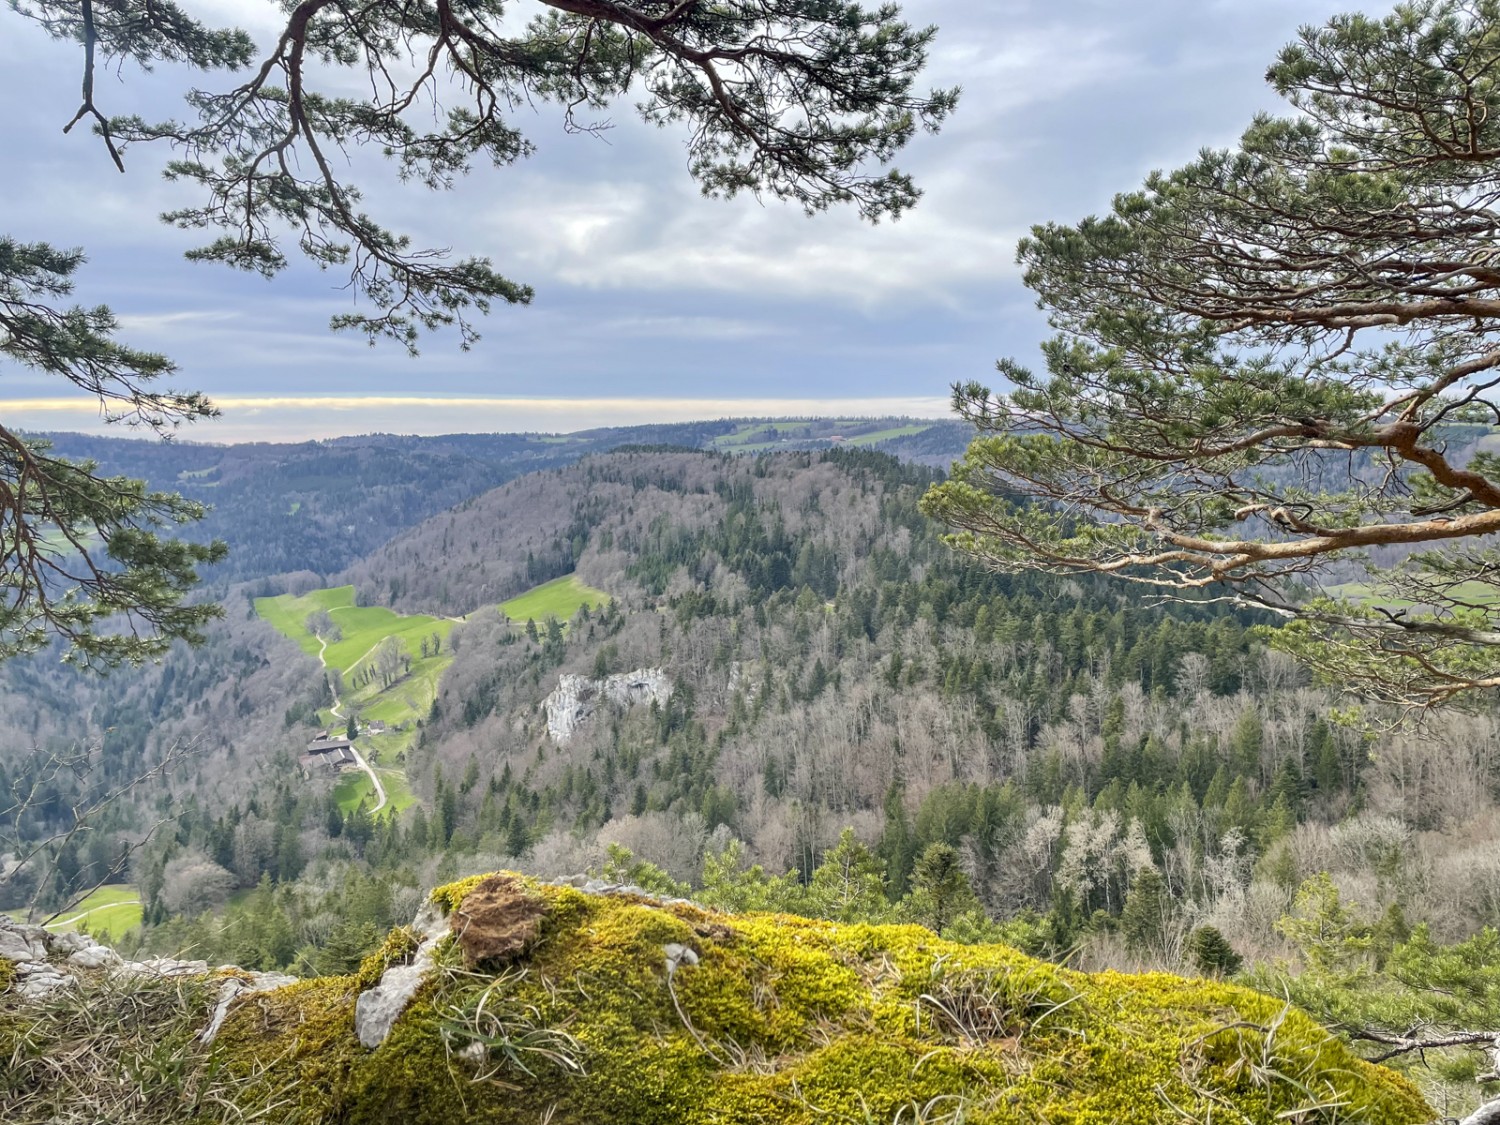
pixel 577 698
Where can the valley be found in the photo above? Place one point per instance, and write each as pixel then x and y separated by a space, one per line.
pixel 850 709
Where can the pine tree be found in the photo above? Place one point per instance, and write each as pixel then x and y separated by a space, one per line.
pixel 849 885
pixel 1321 294
pixel 1211 953
pixel 1148 911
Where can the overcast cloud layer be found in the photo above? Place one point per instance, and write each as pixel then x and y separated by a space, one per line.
pixel 652 303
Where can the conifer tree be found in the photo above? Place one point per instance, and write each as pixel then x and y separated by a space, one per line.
pixel 1277 358
pixel 1212 954
pixel 940 890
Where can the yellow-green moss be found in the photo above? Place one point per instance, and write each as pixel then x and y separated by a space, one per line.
pixel 7 975
pixel 788 1021
pixel 290 1052
pixel 785 1019
pixel 397 949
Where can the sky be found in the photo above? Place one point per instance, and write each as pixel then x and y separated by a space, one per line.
pixel 652 302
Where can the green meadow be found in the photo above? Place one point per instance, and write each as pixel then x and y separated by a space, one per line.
pixel 354 787
pixel 750 437
pixel 1476 593
pixel 561 598
pixel 109 914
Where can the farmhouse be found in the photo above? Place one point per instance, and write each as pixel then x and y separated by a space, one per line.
pixel 327 753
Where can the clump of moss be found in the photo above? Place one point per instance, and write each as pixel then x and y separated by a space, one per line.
pixel 399 947
pixel 625 1009
pixel 7 975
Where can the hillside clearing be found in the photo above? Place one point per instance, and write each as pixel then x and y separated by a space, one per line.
pixel 109 913
pixel 561 598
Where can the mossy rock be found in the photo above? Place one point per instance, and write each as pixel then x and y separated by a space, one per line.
pixel 773 1019
pixel 788 1020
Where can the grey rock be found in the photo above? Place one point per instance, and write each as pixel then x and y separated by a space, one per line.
pixel 65 943
pixel 377 1009
pixel 94 957
pixel 576 698
pixel 36 980
pixel 22 943
pixel 678 955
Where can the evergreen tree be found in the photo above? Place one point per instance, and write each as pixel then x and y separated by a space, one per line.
pixel 1147 915
pixel 1225 331
pixel 849 885
pixel 1211 953
pixel 940 890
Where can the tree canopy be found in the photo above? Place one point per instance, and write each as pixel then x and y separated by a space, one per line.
pixel 806 101
pixel 1275 369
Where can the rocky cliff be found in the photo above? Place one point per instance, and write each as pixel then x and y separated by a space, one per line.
pixel 576 698
pixel 511 1001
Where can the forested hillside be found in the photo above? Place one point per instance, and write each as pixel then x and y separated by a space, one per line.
pixel 320 506
pixel 860 726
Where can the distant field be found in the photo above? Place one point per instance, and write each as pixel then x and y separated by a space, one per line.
pixel 397 789
pixel 750 437
pixel 354 786
pixel 560 598
pixel 887 435
pixel 366 627
pixel 398 704
pixel 1478 593
pixel 288 615
pixel 363 627
pixel 109 913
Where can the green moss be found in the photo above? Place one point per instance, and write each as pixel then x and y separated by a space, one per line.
pixel 397 949
pixel 7 975
pixel 289 1053
pixel 786 1020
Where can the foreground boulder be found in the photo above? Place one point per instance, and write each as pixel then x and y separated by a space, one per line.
pixel 517 1002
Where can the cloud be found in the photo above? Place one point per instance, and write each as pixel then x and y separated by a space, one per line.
pixel 645 289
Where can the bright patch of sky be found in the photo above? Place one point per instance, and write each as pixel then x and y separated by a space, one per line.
pixel 652 303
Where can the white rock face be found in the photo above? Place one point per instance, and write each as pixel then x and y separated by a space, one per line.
pixel 378 1008
pixel 22 943
pixel 576 698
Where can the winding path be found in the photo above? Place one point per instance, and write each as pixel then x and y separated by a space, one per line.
pixel 359 759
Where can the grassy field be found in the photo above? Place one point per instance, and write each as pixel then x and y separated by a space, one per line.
pixel 288 615
pixel 1476 593
pixel 362 627
pixel 750 437
pixel 560 598
pixel 109 913
pixel 399 704
pixel 354 786
pixel 886 435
